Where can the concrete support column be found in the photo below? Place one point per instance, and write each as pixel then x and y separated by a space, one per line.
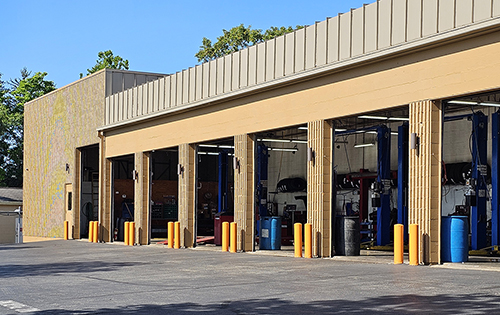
pixel 319 187
pixel 142 198
pixel 244 196
pixel 425 178
pixel 187 191
pixel 105 198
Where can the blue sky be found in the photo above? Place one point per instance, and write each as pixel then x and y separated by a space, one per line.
pixel 63 38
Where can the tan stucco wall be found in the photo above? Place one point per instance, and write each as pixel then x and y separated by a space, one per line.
pixel 461 67
pixel 54 126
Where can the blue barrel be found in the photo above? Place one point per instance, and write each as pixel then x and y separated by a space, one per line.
pixel 454 239
pixel 270 233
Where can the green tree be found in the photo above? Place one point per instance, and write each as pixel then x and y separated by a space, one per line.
pixel 237 38
pixel 107 60
pixel 13 96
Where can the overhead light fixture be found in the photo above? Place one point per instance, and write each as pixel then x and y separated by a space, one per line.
pixel 384 118
pixel 474 103
pixel 340 129
pixel 284 149
pixel 207 146
pixel 216 146
pixel 208 153
pixel 362 145
pixel 283 140
pixel 302 128
pixel 374 133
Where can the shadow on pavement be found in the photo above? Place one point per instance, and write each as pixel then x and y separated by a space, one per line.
pixel 16 270
pixel 393 304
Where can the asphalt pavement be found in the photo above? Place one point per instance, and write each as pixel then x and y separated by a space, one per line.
pixel 77 277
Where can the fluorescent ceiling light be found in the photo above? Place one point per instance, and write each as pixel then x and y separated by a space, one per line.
pixel 303 128
pixel 216 146
pixel 474 103
pixel 284 149
pixel 362 145
pixel 207 146
pixel 340 129
pixel 208 153
pixel 283 140
pixel 463 102
pixel 384 118
pixel 374 132
pixel 275 140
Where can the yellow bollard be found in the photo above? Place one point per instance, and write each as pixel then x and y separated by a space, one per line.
pixel 96 232
pixel 131 233
pixel 125 232
pixel 66 230
pixel 177 235
pixel 398 243
pixel 233 237
pixel 91 231
pixel 308 240
pixel 297 239
pixel 413 248
pixel 225 236
pixel 170 234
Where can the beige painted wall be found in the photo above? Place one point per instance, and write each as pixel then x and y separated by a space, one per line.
pixel 54 125
pixel 457 68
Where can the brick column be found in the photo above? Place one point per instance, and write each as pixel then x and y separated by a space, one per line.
pixel 187 191
pixel 319 187
pixel 142 198
pixel 244 196
pixel 105 198
pixel 425 178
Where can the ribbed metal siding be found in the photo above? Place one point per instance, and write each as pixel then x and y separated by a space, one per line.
pixel 373 27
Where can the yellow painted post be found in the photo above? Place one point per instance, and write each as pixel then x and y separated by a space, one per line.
pixel 297 239
pixel 125 233
pixel 66 230
pixel 95 238
pixel 91 231
pixel 170 234
pixel 413 248
pixel 398 243
pixel 308 240
pixel 225 236
pixel 177 235
pixel 131 234
pixel 233 237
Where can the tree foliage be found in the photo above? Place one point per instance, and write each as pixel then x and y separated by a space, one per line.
pixel 237 38
pixel 13 96
pixel 107 60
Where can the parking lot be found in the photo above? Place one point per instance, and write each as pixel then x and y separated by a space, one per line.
pixel 61 277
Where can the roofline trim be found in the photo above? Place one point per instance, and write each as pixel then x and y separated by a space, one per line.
pixel 478 28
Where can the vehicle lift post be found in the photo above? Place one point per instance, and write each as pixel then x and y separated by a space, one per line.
pixel 403 134
pixel 384 179
pixel 479 173
pixel 223 174
pixel 495 179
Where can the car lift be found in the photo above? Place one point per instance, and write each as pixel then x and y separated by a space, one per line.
pixel 477 195
pixel 495 179
pixel 403 165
